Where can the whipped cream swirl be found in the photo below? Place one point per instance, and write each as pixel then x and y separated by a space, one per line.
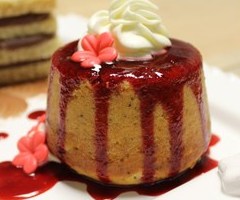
pixel 137 29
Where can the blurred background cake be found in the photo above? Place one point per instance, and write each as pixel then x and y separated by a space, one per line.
pixel 127 104
pixel 27 39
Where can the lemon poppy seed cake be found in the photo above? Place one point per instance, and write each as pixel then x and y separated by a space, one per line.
pixel 126 104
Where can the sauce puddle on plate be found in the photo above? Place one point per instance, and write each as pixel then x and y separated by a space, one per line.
pixel 15 184
pixel 3 135
pixel 35 115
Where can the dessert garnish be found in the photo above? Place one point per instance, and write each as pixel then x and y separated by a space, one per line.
pixel 33 151
pixel 96 50
pixel 134 29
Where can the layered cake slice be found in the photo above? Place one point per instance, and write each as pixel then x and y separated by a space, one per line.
pixel 27 39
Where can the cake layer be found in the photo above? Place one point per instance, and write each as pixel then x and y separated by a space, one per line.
pixel 23 19
pixel 10 8
pixel 15 43
pixel 36 51
pixel 46 25
pixel 130 122
pixel 24 72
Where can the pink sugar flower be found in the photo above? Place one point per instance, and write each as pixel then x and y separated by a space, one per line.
pixel 33 151
pixel 96 50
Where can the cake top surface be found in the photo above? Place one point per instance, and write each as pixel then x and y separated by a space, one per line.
pixel 176 64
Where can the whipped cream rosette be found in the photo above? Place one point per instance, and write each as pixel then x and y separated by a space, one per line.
pixel 137 29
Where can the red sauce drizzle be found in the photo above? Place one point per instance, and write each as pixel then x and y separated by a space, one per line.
pixel 15 184
pixel 197 89
pixel 148 146
pixel 3 136
pixel 102 95
pixel 172 102
pixel 66 90
pixel 35 115
pixel 67 86
pixel 214 140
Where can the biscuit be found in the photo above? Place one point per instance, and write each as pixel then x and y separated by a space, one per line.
pixel 9 8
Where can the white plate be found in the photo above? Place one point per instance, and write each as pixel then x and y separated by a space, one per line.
pixel 224 99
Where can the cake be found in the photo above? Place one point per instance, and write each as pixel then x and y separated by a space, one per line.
pixel 126 104
pixel 27 39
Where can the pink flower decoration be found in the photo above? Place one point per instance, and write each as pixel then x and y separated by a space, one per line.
pixel 33 151
pixel 96 50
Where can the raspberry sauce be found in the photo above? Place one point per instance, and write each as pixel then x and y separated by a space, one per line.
pixel 3 135
pixel 15 184
pixel 36 114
